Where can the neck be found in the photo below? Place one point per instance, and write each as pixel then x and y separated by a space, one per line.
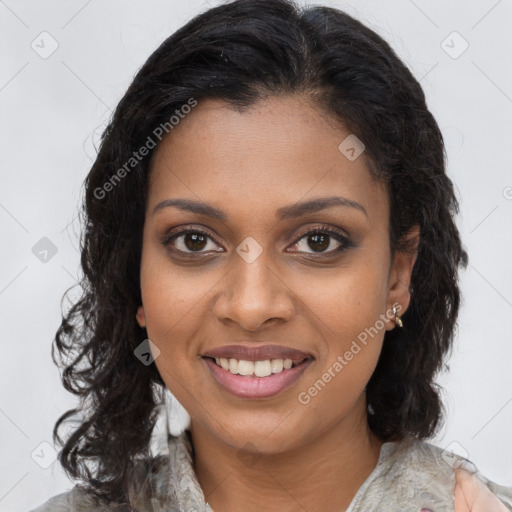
pixel 322 473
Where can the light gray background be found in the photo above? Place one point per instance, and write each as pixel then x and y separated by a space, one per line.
pixel 53 110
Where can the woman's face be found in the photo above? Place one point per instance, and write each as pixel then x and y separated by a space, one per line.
pixel 250 275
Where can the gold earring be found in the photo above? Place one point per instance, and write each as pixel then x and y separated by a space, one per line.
pixel 398 320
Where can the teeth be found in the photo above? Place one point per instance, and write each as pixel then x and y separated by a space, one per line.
pixel 254 368
pixel 262 368
pixel 277 365
pixel 244 367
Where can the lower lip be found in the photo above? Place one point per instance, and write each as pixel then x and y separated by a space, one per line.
pixel 256 387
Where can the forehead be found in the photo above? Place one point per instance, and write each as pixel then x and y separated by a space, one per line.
pixel 279 150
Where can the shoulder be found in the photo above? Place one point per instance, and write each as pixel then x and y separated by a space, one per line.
pixel 475 493
pixel 58 503
pixel 75 500
pixel 150 486
pixel 469 490
pixel 412 475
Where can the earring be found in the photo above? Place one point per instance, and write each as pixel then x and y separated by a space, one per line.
pixel 398 320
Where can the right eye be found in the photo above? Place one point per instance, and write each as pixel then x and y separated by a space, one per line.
pixel 191 241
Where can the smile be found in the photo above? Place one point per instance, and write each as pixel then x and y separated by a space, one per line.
pixel 256 368
pixel 256 379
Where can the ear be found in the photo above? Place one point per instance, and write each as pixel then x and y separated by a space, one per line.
pixel 141 319
pixel 400 275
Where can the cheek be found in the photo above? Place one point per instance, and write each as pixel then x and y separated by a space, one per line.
pixel 350 298
pixel 347 310
pixel 171 296
pixel 172 308
pixel 176 309
pixel 352 332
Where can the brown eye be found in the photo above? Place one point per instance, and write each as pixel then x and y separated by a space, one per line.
pixel 318 242
pixel 194 241
pixel 191 241
pixel 323 241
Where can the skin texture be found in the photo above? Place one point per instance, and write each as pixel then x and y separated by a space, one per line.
pixel 273 453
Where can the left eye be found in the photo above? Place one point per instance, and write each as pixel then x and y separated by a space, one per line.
pixel 321 241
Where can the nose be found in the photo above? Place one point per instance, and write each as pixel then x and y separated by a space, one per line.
pixel 252 295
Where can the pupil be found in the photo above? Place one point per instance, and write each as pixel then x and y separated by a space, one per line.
pixel 321 240
pixel 192 239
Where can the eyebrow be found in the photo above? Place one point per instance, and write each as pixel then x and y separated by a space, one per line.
pixel 286 212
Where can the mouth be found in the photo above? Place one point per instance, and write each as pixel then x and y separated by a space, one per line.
pixel 260 379
pixel 261 369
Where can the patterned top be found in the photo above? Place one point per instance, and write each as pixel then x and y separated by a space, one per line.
pixel 410 476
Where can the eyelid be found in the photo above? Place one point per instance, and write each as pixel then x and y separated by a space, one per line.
pixel 177 231
pixel 323 228
pixel 339 234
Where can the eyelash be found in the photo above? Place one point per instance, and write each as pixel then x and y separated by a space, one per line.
pixel 337 234
pixel 323 229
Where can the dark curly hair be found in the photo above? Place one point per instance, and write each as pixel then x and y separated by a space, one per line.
pixel 242 52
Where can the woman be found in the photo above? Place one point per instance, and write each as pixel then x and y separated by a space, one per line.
pixel 270 235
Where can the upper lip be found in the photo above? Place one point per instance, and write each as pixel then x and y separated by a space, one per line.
pixel 257 353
